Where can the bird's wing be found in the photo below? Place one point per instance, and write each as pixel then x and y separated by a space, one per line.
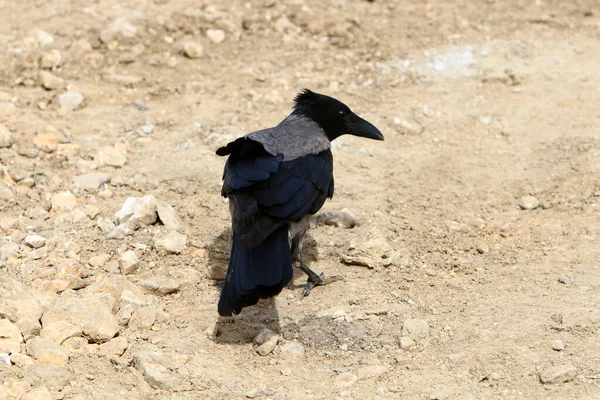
pixel 268 192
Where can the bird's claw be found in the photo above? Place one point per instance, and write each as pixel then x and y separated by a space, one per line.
pixel 319 280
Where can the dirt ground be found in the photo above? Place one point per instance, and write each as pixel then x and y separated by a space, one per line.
pixel 464 293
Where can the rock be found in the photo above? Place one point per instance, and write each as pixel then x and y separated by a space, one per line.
pixel 216 35
pixel 120 28
pixel 98 261
pixel 60 331
pixel 172 242
pixel 47 352
pixel 147 129
pixel 43 37
pixel 55 378
pixel 415 329
pixel 125 313
pixel 160 285
pixel 345 379
pixel 565 279
pixel 35 241
pixel 38 393
pixel 50 81
pixel 132 297
pixel 10 337
pixel 339 219
pixel 16 301
pixel 105 225
pixel 192 49
pixel 91 314
pixel 457 227
pixel 63 201
pixel 266 340
pixel 6 137
pixel 168 217
pixel 482 248
pixel 157 368
pixel 375 252
pixel 294 348
pixel 47 142
pixel 371 371
pixel 29 326
pixel 5 359
pixel 143 318
pixel 111 157
pixel 92 180
pixel 558 345
pixel 114 347
pixel 70 101
pixel 217 272
pixel 129 262
pixel 21 360
pixel 559 374
pixel 405 127
pixel 529 203
pixel 406 342
pixel 51 59
pixel 138 211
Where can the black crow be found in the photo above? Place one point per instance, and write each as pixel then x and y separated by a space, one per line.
pixel 275 179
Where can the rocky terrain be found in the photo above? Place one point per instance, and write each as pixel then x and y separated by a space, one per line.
pixel 468 240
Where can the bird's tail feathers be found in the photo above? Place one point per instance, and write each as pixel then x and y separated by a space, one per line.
pixel 255 273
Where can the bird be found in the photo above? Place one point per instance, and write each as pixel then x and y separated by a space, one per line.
pixel 275 179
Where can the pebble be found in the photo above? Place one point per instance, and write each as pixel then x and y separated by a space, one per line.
pixel 339 219
pixel 47 352
pixel 51 59
pixel 138 211
pixel 63 201
pixel 405 127
pixel 59 331
pixel 157 368
pixel 559 374
pixel 558 345
pixel 120 79
pixel 529 203
pixel 345 379
pixel 38 393
pixel 17 302
pixel 50 81
pixel 35 241
pixel 160 285
pixel 98 261
pixel 129 262
pixel 216 35
pixel 70 101
pixel 92 180
pixel 43 37
pixel 111 157
pixel 566 279
pixel 143 318
pixel 21 360
pixel 172 242
pixel 294 348
pixel 118 29
pixel 168 217
pixel 91 314
pixel 415 328
pixel 266 341
pixel 147 129
pixel 114 347
pixel 406 342
pixel 192 50
pixel 6 137
pixel 10 337
pixel 47 142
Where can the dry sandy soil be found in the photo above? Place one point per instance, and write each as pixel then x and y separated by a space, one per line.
pixel 460 292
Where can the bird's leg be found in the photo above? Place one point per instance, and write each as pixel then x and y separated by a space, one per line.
pixel 314 279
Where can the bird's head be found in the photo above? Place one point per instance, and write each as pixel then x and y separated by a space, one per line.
pixel 334 117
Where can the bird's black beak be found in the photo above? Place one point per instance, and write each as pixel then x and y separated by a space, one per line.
pixel 360 127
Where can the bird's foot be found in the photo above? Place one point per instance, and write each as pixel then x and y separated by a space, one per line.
pixel 317 280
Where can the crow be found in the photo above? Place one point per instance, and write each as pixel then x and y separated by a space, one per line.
pixel 275 179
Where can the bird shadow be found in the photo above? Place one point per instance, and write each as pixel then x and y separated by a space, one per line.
pixel 242 328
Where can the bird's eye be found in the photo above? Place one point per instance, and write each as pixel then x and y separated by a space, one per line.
pixel 342 112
